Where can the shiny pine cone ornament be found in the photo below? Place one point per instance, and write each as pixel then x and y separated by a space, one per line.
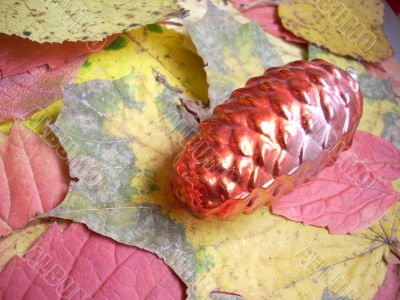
pixel 278 131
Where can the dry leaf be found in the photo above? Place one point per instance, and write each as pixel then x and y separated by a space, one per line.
pixel 344 27
pixel 58 21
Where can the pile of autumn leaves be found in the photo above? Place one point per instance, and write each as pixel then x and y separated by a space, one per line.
pixel 33 75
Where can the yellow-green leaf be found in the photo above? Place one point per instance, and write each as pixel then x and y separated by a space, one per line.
pixel 344 27
pixel 87 20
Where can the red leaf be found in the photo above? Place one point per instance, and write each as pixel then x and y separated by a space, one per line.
pixel 377 154
pixel 390 288
pixel 80 264
pixel 18 55
pixel 375 69
pixel 350 195
pixel 33 178
pixel 267 15
pixel 23 94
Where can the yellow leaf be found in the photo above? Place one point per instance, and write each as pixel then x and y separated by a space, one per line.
pixel 87 20
pixel 345 27
pixel 264 256
pixel 147 49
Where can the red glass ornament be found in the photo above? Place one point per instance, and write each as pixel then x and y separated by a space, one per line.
pixel 280 130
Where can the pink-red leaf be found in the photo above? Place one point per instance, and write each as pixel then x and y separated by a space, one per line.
pixel 390 289
pixel 376 69
pixel 267 15
pixel 19 55
pixel 23 94
pixel 33 178
pixel 79 264
pixel 377 154
pixel 350 195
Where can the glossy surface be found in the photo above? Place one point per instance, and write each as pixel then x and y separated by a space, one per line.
pixel 281 129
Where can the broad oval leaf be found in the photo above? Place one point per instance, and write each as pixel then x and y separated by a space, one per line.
pixel 33 178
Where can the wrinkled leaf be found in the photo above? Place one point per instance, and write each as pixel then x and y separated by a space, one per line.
pixel 59 21
pixel 33 178
pixel 390 289
pixel 18 55
pixel 266 13
pixel 381 110
pixel 23 94
pixel 129 142
pixel 344 27
pixel 231 51
pixel 350 195
pixel 75 263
